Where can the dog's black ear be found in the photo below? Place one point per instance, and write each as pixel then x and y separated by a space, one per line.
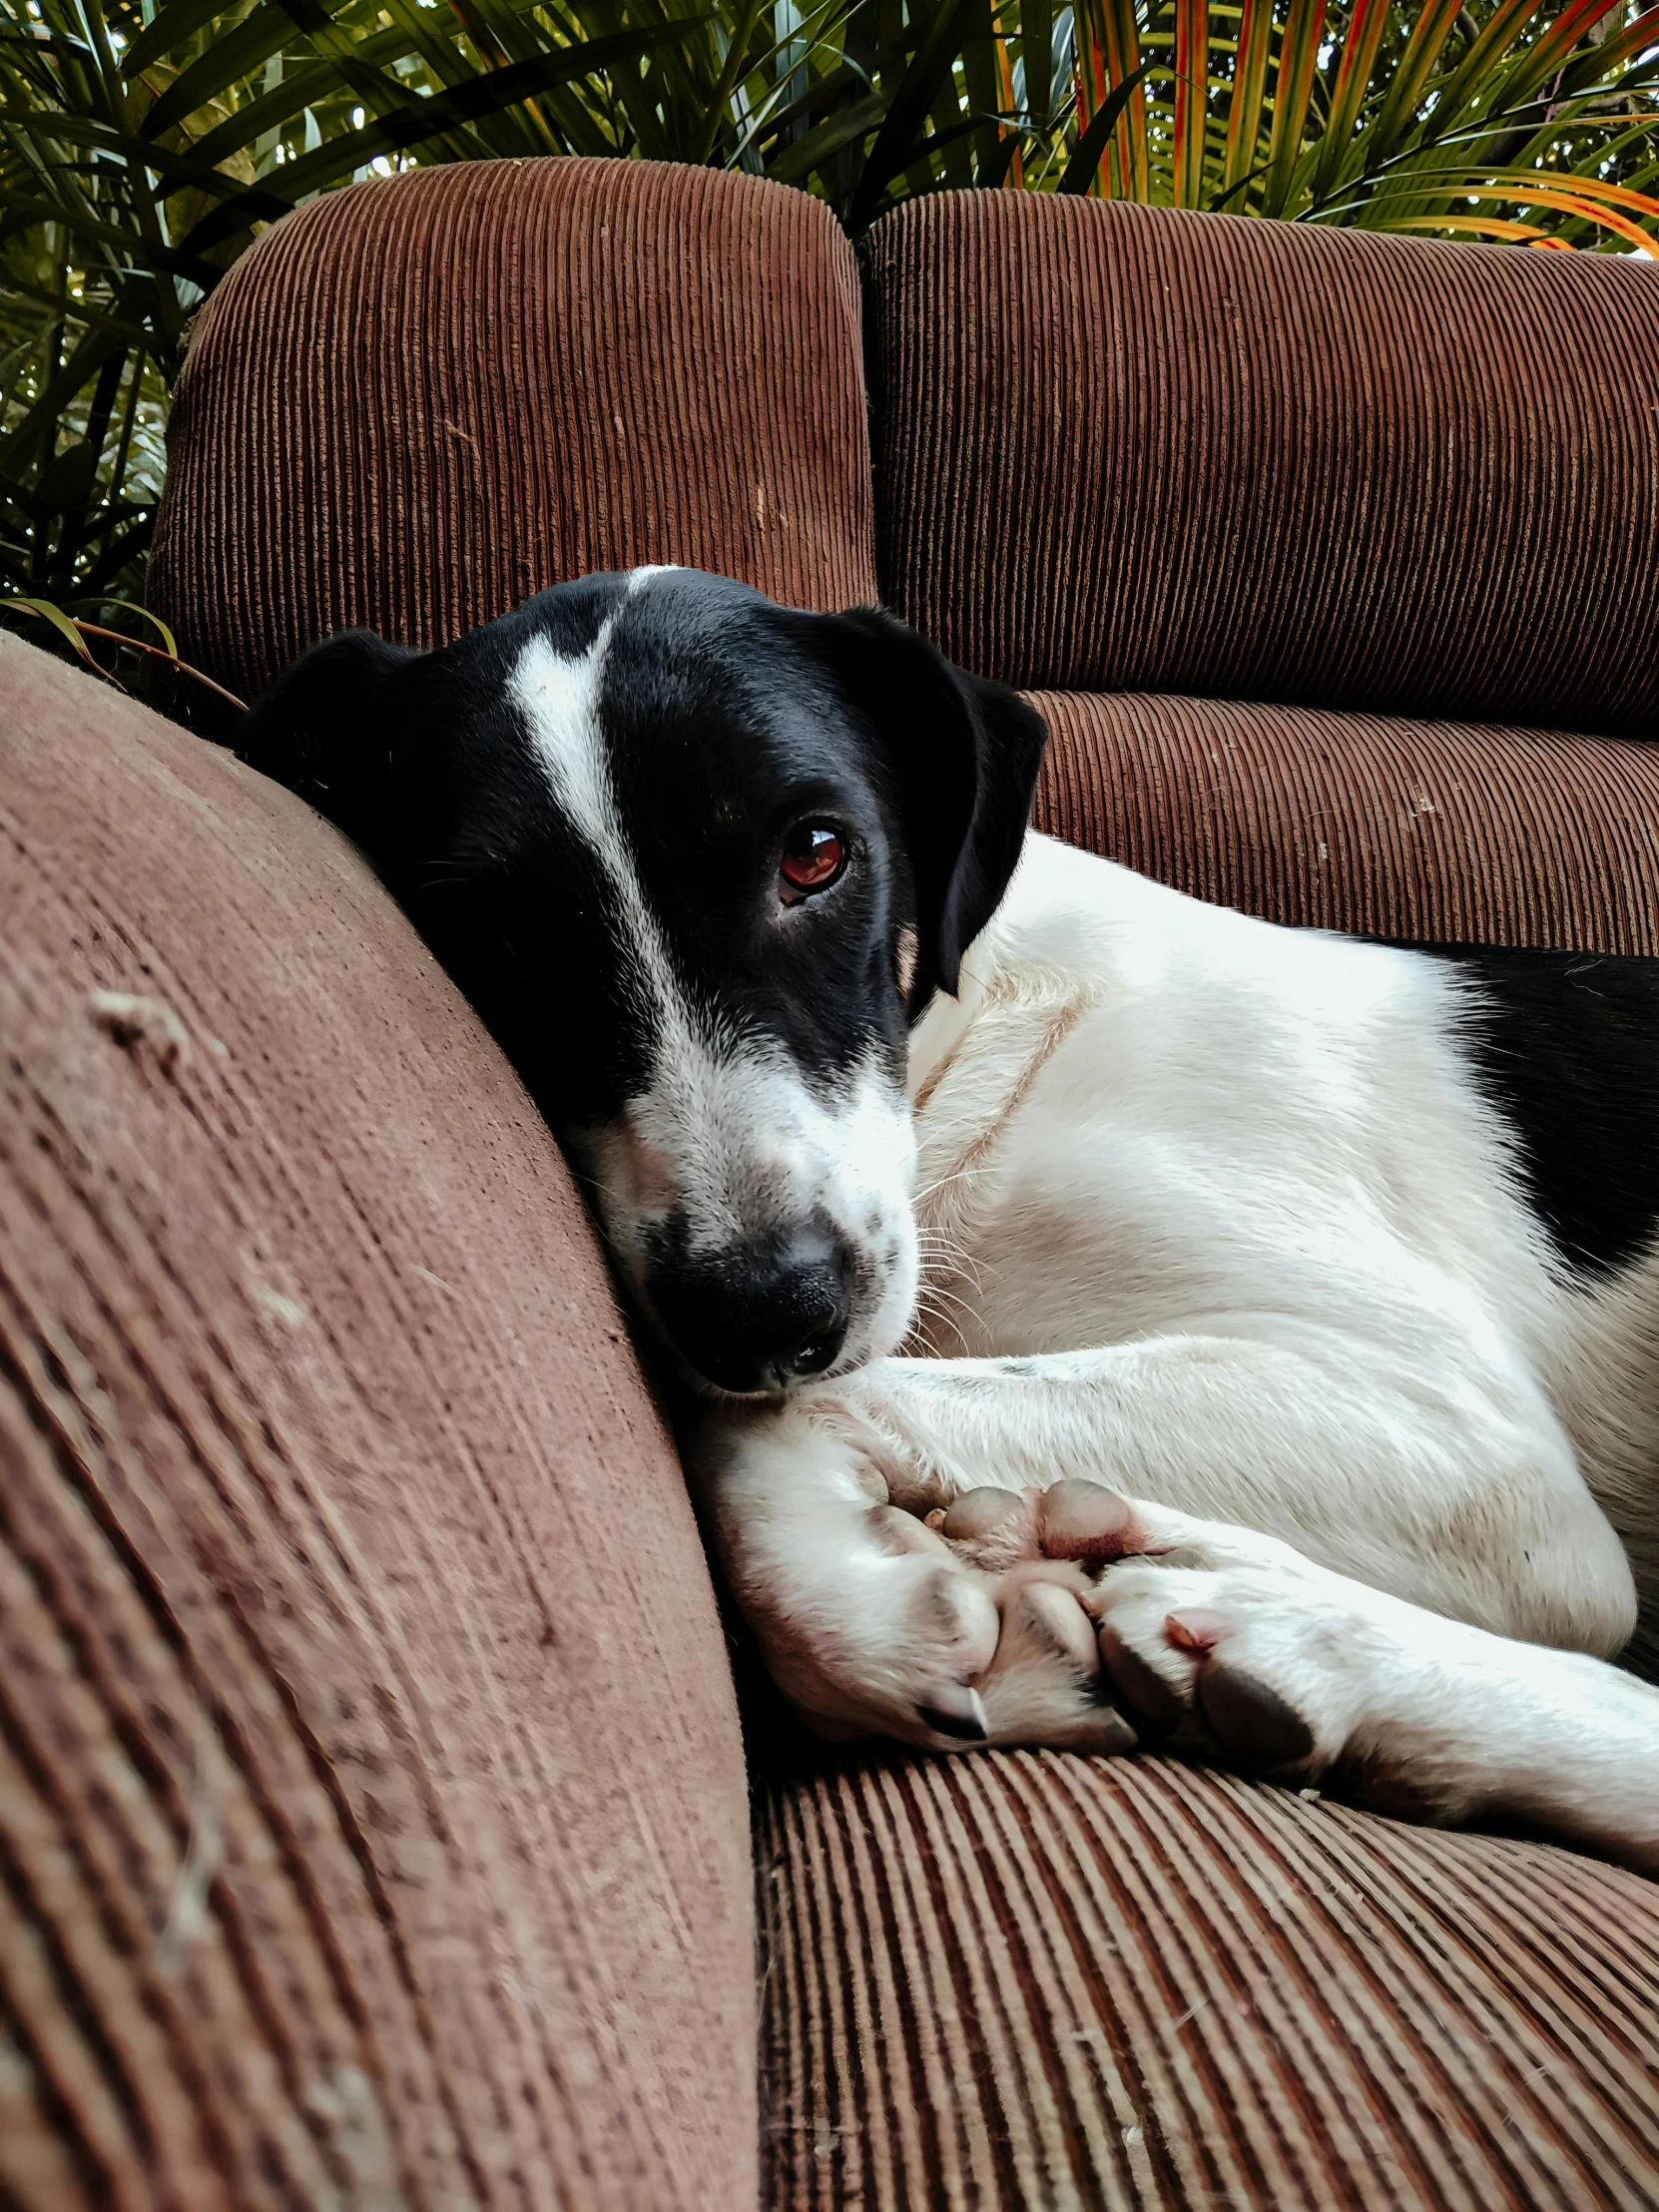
pixel 966 753
pixel 331 728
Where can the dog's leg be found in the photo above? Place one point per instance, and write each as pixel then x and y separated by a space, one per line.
pixel 1454 1499
pixel 1024 1618
pixel 1456 1488
pixel 1231 1641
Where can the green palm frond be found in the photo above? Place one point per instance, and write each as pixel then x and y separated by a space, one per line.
pixel 143 143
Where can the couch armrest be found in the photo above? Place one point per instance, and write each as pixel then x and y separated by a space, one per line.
pixel 371 1800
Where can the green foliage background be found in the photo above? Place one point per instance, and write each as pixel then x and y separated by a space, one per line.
pixel 145 143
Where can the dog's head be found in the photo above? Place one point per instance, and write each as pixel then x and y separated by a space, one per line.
pixel 696 858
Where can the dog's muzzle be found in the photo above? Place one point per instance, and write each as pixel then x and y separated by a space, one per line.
pixel 758 1318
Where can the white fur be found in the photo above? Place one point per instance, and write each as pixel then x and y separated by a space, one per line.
pixel 730 1135
pixel 1211 1213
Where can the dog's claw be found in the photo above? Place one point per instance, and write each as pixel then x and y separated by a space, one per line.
pixel 1114 1735
pixel 956 1711
pixel 1250 1719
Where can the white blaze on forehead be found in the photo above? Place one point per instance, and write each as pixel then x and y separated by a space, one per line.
pixel 638 578
pixel 558 695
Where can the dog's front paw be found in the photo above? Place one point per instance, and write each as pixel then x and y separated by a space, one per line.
pixel 1046 1687
pixel 925 1648
pixel 1039 1549
pixel 1233 1643
pixel 952 1650
pixel 871 1622
pixel 894 1644
pixel 1214 1638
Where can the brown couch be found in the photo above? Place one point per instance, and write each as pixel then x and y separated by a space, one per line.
pixel 374 1823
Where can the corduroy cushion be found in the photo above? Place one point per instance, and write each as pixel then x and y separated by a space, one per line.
pixel 373 1821
pixel 1042 1982
pixel 418 401
pixel 1125 448
pixel 1389 828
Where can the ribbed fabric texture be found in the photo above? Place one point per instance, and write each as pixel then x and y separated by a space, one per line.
pixel 1042 1982
pixel 1123 448
pixel 1382 825
pixel 374 1833
pixel 416 403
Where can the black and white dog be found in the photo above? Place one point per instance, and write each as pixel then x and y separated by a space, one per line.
pixel 1113 1315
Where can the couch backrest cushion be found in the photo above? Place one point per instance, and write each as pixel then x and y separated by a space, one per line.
pixel 1127 448
pixel 372 1801
pixel 1380 825
pixel 417 401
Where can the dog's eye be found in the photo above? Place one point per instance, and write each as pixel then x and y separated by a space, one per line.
pixel 813 857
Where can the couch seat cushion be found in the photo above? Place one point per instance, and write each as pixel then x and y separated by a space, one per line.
pixel 1039 1980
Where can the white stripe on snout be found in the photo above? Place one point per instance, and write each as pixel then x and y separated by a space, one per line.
pixel 752 1151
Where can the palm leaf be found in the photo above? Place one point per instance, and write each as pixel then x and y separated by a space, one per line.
pixel 1405 97
pixel 1084 165
pixel 1249 101
pixel 145 143
pixel 1355 72
pixel 1192 87
pixel 1112 54
pixel 1036 49
pixel 909 104
pixel 1297 59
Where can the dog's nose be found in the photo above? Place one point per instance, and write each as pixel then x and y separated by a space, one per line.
pixel 763 1317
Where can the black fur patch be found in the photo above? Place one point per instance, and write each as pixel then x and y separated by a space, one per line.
pixel 1565 1046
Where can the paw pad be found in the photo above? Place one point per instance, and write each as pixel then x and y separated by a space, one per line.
pixel 1084 1520
pixel 1142 1685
